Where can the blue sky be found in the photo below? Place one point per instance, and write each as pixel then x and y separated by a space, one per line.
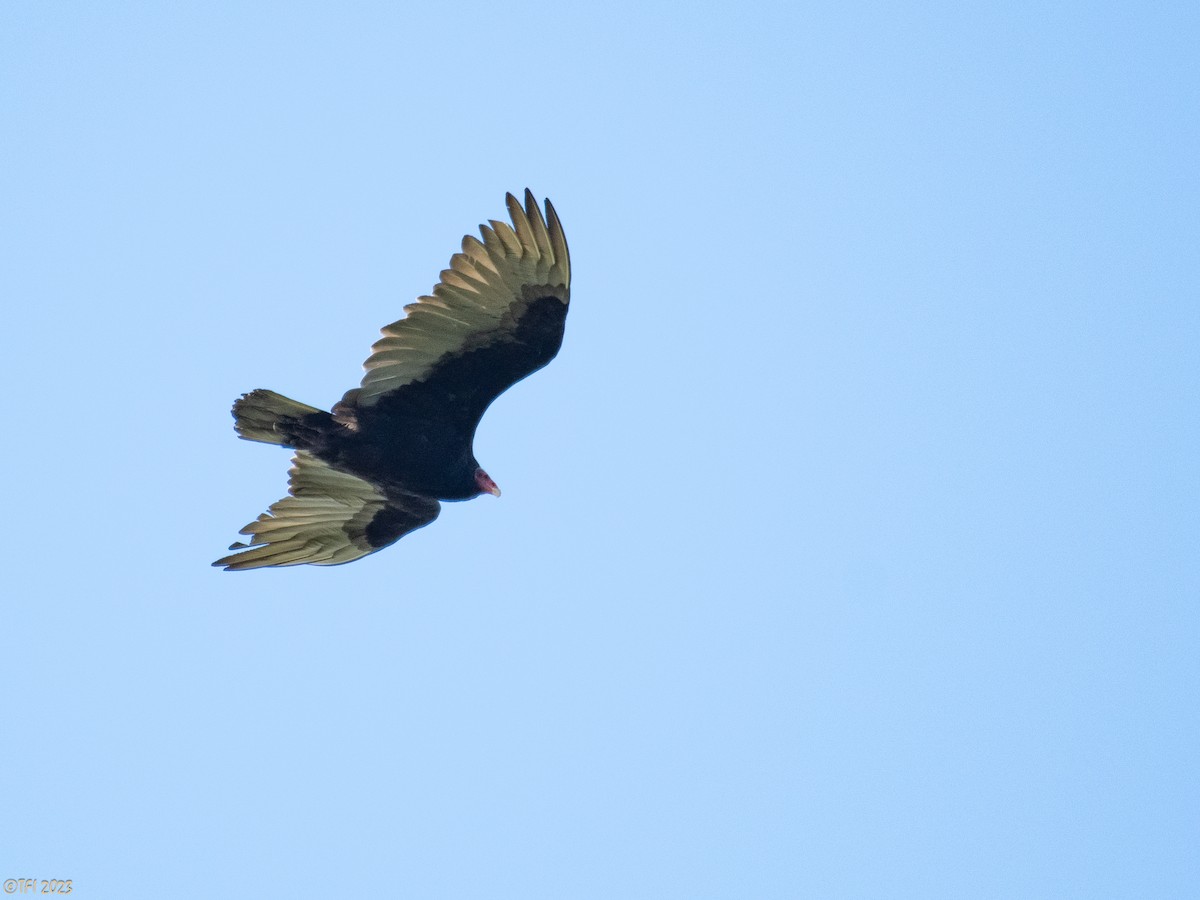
pixel 848 549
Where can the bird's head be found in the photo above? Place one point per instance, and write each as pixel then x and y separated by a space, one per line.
pixel 484 482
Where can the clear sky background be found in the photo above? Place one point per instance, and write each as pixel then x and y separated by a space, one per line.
pixel 848 549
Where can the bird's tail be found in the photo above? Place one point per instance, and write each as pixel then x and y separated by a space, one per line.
pixel 269 417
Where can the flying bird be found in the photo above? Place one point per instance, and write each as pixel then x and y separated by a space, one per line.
pixel 375 467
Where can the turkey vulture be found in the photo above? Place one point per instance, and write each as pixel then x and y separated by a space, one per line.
pixel 374 468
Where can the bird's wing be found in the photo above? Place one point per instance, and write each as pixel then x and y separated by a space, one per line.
pixel 328 518
pixel 496 316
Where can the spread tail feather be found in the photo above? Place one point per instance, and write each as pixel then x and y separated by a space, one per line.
pixel 265 416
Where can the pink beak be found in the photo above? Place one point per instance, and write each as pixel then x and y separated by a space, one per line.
pixel 485 483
